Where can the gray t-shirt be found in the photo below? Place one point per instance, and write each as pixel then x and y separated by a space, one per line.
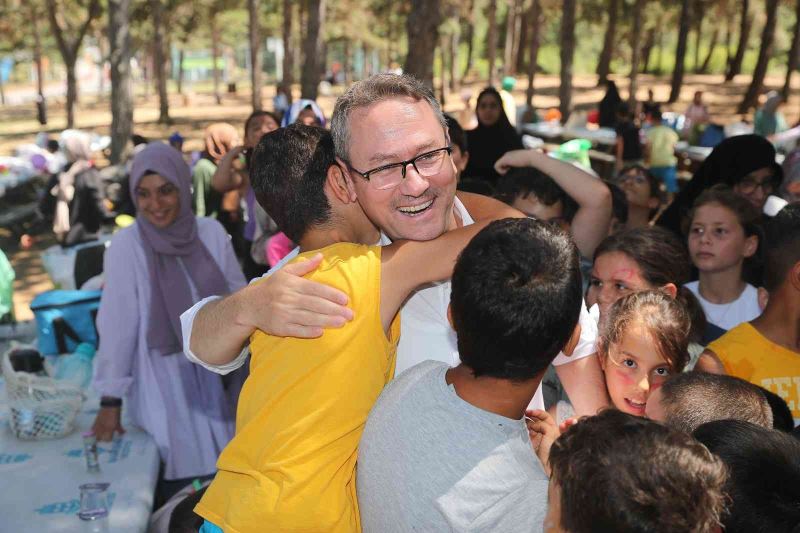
pixel 429 461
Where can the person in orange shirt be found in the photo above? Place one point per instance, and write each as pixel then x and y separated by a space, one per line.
pixel 766 351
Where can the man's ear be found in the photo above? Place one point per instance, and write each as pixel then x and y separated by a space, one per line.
pixel 464 161
pixel 337 181
pixel 573 340
pixel 750 245
pixel 348 179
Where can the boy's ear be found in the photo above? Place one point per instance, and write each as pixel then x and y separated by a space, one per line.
pixel 763 298
pixel 337 182
pixel 348 179
pixel 671 289
pixel 750 245
pixel 450 316
pixel 794 276
pixel 602 355
pixel 573 340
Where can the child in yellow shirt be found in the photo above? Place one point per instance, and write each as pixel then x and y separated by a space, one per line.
pixel 291 465
pixel 766 351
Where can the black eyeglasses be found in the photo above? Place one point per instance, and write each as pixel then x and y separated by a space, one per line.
pixel 748 185
pixel 390 176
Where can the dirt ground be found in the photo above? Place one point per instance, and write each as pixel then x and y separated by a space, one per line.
pixel 192 113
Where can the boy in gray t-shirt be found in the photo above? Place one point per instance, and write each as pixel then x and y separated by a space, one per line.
pixel 448 448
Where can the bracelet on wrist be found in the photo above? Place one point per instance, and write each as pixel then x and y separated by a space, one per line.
pixel 110 402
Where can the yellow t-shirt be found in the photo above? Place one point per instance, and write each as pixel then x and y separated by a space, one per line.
pixel 291 465
pixel 747 354
pixel 662 141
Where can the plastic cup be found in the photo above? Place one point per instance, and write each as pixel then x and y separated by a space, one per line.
pixel 90 452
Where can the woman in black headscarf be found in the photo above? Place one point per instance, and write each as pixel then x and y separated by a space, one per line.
pixel 746 163
pixel 493 137
pixel 608 106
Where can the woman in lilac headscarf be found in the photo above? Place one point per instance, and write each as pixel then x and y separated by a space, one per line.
pixel 154 269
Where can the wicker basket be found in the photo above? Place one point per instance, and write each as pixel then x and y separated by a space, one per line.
pixel 40 407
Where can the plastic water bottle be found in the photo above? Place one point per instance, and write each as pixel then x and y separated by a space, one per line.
pixel 76 368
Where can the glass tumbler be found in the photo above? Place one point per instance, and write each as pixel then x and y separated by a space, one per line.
pixel 94 501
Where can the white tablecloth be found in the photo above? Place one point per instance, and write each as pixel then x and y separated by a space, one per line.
pixel 39 479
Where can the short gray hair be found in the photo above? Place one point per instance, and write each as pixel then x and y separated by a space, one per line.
pixel 372 90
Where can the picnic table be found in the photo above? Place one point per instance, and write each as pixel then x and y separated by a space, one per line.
pixel 39 479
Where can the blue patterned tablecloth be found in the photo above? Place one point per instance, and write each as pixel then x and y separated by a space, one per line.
pixel 39 479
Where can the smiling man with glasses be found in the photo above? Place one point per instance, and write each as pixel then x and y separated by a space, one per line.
pixel 393 127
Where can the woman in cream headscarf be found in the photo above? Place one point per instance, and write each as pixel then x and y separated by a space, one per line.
pixel 77 192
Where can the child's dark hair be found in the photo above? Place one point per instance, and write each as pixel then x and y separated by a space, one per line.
pixel 782 419
pixel 257 114
pixel 523 181
pixel 691 399
pixel 764 475
pixel 643 477
pixel 457 135
pixel 516 298
pixel 662 259
pixel 664 318
pixel 288 174
pixel 619 202
pixel 782 246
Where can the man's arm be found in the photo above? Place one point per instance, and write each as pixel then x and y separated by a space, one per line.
pixel 284 304
pixel 405 265
pixel 590 223
pixel 482 208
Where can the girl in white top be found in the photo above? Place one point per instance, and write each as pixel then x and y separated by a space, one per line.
pixel 723 234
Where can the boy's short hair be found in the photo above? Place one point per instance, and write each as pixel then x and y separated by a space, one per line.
pixel 782 250
pixel 523 181
pixel 288 173
pixel 782 419
pixel 763 475
pixel 618 472
pixel 515 299
pixel 457 135
pixel 691 399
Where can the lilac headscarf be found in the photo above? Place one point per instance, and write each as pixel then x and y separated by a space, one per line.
pixel 170 290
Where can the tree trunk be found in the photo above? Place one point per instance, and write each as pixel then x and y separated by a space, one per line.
pixel 567 56
pixel 491 38
pixel 647 50
pixel 453 64
pixel 767 37
pixel 72 91
pixel 422 28
pixel 443 70
pixel 159 61
pixel 69 49
pixel 253 9
pixel 181 54
pixel 309 78
pixel 119 38
pixel 680 53
pixel 533 52
pixel 698 14
pixel 604 63
pixel 523 44
pixel 511 38
pixel 792 60
pixel 711 46
pixel 636 38
pixel 288 49
pixel 37 49
pixel 470 38
pixel 215 55
pixel 744 34
pixel 346 65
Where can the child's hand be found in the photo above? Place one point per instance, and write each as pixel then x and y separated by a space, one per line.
pixel 513 159
pixel 568 423
pixel 543 432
